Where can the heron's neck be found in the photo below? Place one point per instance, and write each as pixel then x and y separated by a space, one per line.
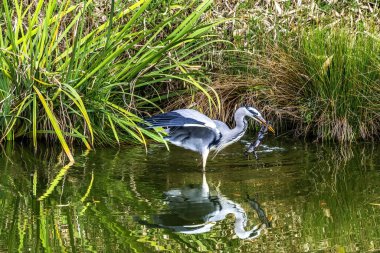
pixel 241 124
pixel 240 223
pixel 234 134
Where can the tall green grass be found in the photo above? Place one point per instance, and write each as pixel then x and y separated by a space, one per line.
pixel 341 93
pixel 327 86
pixel 67 74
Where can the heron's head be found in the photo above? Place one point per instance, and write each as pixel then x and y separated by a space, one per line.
pixel 256 115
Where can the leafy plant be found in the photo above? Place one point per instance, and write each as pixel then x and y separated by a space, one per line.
pixel 67 74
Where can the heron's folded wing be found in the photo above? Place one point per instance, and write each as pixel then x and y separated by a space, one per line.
pixel 221 126
pixel 171 119
pixel 182 118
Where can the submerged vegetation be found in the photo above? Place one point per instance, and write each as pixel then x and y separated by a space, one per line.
pixel 89 71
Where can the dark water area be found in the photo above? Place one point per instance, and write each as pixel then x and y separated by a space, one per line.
pixel 298 197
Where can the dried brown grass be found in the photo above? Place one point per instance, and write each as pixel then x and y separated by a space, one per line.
pixel 233 92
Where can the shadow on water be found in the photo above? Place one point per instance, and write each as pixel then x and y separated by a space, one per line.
pixel 313 197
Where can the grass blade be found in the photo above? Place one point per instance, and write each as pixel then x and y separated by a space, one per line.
pixel 54 123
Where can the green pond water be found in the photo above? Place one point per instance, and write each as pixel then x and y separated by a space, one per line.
pixel 298 197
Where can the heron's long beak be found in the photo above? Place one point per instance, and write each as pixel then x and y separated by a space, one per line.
pixel 262 121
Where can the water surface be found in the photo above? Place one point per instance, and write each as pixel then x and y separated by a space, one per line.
pixel 296 198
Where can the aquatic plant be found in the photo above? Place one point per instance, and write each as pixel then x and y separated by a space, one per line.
pixel 71 72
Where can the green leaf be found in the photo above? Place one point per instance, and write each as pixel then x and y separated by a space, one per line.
pixel 54 123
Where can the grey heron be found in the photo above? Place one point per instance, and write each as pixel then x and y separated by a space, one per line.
pixel 190 129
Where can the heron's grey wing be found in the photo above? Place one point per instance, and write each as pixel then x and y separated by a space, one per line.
pixel 182 118
pixel 193 114
pixel 223 128
pixel 187 128
pixel 171 119
pixel 192 137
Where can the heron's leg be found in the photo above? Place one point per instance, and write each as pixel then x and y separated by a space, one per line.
pixel 204 158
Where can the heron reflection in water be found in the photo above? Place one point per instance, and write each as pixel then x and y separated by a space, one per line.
pixel 194 210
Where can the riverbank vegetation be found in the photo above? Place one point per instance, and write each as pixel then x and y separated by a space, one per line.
pixel 71 71
pixel 89 71
pixel 311 66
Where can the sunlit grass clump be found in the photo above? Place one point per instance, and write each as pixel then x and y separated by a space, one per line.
pixel 329 84
pixel 70 73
